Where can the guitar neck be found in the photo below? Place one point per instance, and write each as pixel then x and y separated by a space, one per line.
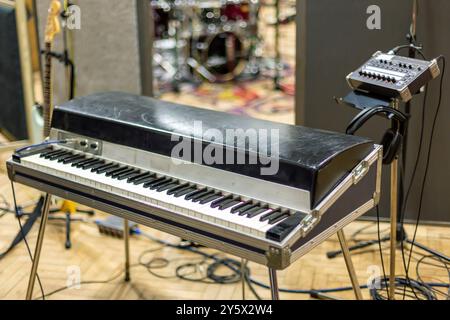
pixel 48 103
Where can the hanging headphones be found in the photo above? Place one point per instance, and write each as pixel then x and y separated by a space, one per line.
pixel 393 138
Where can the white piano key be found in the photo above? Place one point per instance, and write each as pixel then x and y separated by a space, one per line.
pixel 203 212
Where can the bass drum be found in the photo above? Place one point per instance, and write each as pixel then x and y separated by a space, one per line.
pixel 224 54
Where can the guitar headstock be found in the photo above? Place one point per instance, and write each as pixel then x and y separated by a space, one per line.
pixel 53 26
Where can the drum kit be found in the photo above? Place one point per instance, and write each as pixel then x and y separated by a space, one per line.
pixel 213 40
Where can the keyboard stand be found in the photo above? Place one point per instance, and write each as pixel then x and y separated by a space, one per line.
pixel 272 272
pixel 40 240
pixel 38 248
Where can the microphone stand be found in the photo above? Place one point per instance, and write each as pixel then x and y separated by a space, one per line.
pixel 397 231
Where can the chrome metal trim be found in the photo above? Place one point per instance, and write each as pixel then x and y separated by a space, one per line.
pixel 83 144
pixel 360 171
pixel 434 69
pixel 405 94
pixel 251 188
pixel 302 230
pixel 332 230
pixel 344 185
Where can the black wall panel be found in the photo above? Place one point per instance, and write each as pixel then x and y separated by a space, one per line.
pixel 12 115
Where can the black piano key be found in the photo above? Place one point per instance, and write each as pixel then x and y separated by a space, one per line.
pixel 193 194
pixel 106 168
pixel 129 175
pixel 101 167
pixel 210 198
pixel 80 165
pixel 184 191
pixel 167 186
pixel 138 176
pixel 281 230
pixel 242 206
pixel 218 202
pixel 145 180
pixel 46 155
pixel 255 212
pixel 57 153
pixel 74 158
pixel 137 180
pixel 47 152
pixel 91 165
pixel 162 183
pixel 278 217
pixel 202 196
pixel 118 174
pixel 154 181
pixel 112 172
pixel 177 188
pixel 59 156
pixel 70 155
pixel 81 161
pixel 269 215
pixel 244 210
pixel 229 204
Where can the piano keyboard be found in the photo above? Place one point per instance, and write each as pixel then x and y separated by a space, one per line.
pixel 198 202
pixel 118 158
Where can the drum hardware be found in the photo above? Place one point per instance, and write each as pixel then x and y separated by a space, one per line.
pixel 277 75
pixel 224 54
pixel 201 70
pixel 219 38
pixel 157 58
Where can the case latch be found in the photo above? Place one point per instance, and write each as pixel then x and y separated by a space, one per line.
pixel 360 171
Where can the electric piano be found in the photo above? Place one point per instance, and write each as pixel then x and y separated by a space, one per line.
pixel 115 152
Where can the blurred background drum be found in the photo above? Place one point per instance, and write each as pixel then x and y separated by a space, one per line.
pixel 223 54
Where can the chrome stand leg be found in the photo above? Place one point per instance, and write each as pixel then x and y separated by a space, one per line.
pixel 243 275
pixel 126 235
pixel 349 264
pixel 37 250
pixel 274 284
pixel 393 246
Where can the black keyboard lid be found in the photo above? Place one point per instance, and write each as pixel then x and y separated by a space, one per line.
pixel 309 159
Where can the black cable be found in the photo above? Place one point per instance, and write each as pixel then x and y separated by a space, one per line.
pixel 427 161
pixel 362 231
pixel 84 283
pixel 443 265
pixel 43 144
pixel 5 209
pixel 413 176
pixel 236 267
pixel 249 283
pixel 408 46
pixel 159 263
pixel 414 285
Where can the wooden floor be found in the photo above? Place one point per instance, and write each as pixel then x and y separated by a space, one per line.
pixel 100 258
